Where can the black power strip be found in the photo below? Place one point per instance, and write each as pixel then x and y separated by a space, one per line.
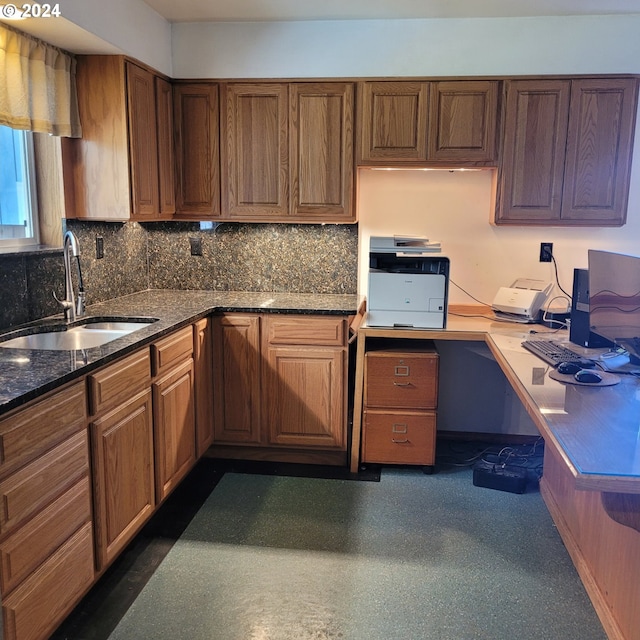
pixel 496 476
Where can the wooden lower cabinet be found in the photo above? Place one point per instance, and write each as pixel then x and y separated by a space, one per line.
pixel 46 530
pixel 280 387
pixel 122 437
pixel 237 379
pixel 203 374
pixel 42 601
pixel 400 402
pixel 304 392
pixel 123 472
pixel 174 427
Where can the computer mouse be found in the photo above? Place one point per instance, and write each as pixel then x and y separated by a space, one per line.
pixel 569 367
pixel 585 375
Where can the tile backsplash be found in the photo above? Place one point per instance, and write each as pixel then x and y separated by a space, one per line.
pixel 235 257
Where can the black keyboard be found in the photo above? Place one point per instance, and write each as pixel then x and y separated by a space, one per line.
pixel 551 352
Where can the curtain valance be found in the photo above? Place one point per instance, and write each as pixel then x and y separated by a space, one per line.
pixel 37 85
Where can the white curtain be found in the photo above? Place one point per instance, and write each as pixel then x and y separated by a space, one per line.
pixel 37 86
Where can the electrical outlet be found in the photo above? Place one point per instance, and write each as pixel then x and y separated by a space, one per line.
pixel 196 246
pixel 546 251
pixel 99 247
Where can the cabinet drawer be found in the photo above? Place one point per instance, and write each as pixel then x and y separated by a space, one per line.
pixel 33 487
pixel 170 350
pixel 33 543
pixel 42 601
pixel 32 431
pixel 117 382
pixel 328 331
pixel 399 438
pixel 404 380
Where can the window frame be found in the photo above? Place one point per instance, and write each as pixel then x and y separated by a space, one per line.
pixel 32 198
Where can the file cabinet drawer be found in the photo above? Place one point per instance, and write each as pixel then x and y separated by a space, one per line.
pixel 399 438
pixel 401 379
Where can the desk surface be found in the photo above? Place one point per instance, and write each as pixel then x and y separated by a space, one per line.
pixel 595 429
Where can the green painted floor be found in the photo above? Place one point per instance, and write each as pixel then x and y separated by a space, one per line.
pixel 278 557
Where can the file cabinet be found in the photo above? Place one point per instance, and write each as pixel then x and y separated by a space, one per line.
pixel 400 405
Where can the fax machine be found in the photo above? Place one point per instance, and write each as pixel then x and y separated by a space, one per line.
pixel 408 284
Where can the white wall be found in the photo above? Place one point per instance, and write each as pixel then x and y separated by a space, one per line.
pixel 130 26
pixel 456 208
pixel 478 46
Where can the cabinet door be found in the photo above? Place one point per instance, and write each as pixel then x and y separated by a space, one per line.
pixel 237 379
pixel 174 427
pixel 464 119
pixel 202 354
pixel 166 156
pixel 123 477
pixel 393 122
pixel 196 114
pixel 97 165
pixel 321 157
pixel 304 396
pixel 255 171
pixel 532 168
pixel 599 147
pixel 143 142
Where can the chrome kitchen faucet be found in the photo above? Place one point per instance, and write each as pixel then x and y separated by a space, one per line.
pixel 71 306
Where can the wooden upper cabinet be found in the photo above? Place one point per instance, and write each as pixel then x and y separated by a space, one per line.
pixel 143 142
pixel 98 163
pixel 118 169
pixel 197 143
pixel 166 155
pixel 535 134
pixel 393 119
pixel 464 121
pixel 406 122
pixel 255 158
pixel 321 150
pixel 599 148
pixel 566 157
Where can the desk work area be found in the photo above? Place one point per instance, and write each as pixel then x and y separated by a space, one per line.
pixel 591 476
pixel 583 399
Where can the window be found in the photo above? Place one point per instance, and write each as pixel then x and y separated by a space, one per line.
pixel 18 210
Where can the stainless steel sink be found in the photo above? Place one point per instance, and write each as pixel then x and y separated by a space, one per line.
pixel 84 336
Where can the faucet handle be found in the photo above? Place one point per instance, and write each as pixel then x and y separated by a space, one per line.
pixel 67 307
pixel 80 304
pixel 65 304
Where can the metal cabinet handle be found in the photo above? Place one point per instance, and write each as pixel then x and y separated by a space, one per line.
pixel 405 441
pixel 402 384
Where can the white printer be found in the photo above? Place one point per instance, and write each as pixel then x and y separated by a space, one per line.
pixel 408 283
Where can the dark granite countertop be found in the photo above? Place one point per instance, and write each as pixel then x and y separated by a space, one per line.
pixel 26 374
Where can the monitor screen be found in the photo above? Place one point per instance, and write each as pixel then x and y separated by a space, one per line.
pixel 614 299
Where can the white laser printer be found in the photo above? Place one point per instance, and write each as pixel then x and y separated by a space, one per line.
pixel 408 283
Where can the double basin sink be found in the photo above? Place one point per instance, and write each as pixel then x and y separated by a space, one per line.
pixel 86 334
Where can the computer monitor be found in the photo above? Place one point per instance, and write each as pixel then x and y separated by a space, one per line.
pixel 614 299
